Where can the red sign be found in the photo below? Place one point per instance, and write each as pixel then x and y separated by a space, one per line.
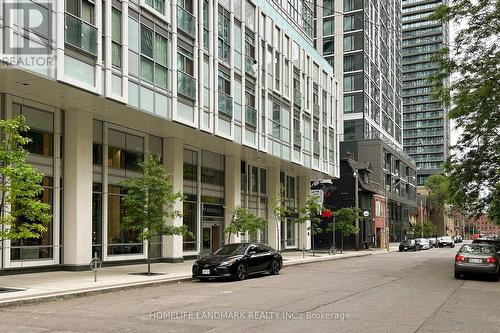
pixel 326 213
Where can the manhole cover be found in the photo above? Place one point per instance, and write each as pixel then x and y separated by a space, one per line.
pixel 9 290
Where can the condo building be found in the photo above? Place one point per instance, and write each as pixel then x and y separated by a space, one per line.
pixel 232 95
pixel 426 124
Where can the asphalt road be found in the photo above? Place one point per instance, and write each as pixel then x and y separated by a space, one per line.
pixel 395 292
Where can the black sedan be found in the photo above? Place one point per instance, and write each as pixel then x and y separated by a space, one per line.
pixel 477 259
pixel 238 260
pixel 408 245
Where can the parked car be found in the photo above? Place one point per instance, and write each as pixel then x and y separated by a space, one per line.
pixel 238 260
pixel 478 259
pixel 495 242
pixel 446 241
pixel 433 242
pixel 408 245
pixel 423 243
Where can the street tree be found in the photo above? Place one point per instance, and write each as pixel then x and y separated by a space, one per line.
pixel 344 221
pixel 437 186
pixel 473 98
pixel 311 212
pixel 22 212
pixel 425 229
pixel 149 203
pixel 244 221
pixel 280 212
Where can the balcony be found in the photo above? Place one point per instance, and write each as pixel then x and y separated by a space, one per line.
pixel 297 98
pixel 297 138
pixel 250 116
pixel 316 147
pixel 186 22
pixel 80 34
pixel 225 104
pixel 316 110
pixel 186 85
pixel 250 65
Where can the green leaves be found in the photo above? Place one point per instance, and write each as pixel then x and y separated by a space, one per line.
pixel 311 212
pixel 21 210
pixel 344 220
pixel 244 221
pixel 428 228
pixel 149 201
pixel 438 186
pixel 474 101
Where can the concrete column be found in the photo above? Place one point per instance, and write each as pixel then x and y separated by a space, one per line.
pixel 304 228
pixel 77 241
pixel 233 191
pixel 273 228
pixel 173 157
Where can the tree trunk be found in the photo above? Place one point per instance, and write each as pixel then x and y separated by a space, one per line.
pixel 149 257
pixel 341 241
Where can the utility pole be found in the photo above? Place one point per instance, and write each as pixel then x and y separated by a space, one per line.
pixel 356 203
pixel 422 217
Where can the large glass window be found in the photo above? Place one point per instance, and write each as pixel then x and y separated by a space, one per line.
pixel 353 103
pixel 224 36
pixel 190 203
pixel 97 219
pixel 328 27
pixel 328 46
pixel 116 37
pixel 353 62
pixel 36 248
pixel 125 151
pixel 120 239
pixel 158 5
pixel 41 132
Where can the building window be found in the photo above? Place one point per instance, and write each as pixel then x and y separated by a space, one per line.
pixel 120 240
pixel 158 5
pixel 353 103
pixel 153 66
pixel 36 248
pixel 116 37
pixel 224 35
pixel 328 46
pixel 97 219
pixel 353 62
pixel 353 22
pixel 125 151
pixel 353 42
pixel 350 5
pixel 328 27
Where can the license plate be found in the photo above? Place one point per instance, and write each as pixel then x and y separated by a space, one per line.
pixel 476 261
pixel 205 271
pixel 406 248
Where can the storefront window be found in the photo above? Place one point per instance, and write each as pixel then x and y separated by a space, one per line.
pixel 36 248
pixel 97 219
pixel 120 240
pixel 190 204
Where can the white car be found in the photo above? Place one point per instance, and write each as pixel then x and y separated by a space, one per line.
pixel 423 243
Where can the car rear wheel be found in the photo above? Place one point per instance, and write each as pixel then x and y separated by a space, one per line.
pixel 241 272
pixel 275 267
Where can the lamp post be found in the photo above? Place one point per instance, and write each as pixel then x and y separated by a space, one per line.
pixel 356 203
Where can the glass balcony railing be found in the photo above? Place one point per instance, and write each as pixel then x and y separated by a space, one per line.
pixel 186 21
pixel 250 116
pixel 316 147
pixel 297 138
pixel 80 34
pixel 297 98
pixel 250 66
pixel 315 110
pixel 186 85
pixel 225 104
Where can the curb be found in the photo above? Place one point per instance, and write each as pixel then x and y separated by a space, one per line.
pixel 71 294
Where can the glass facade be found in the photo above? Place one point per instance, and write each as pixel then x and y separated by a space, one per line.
pixel 426 126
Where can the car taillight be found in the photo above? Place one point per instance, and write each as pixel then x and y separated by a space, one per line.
pixel 491 260
pixel 459 258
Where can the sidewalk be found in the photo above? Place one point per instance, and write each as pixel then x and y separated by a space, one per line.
pixel 48 286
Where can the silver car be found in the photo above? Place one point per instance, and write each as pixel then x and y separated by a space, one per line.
pixel 423 243
pixel 478 259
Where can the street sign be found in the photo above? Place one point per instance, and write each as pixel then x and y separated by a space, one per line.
pixel 320 194
pixel 366 213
